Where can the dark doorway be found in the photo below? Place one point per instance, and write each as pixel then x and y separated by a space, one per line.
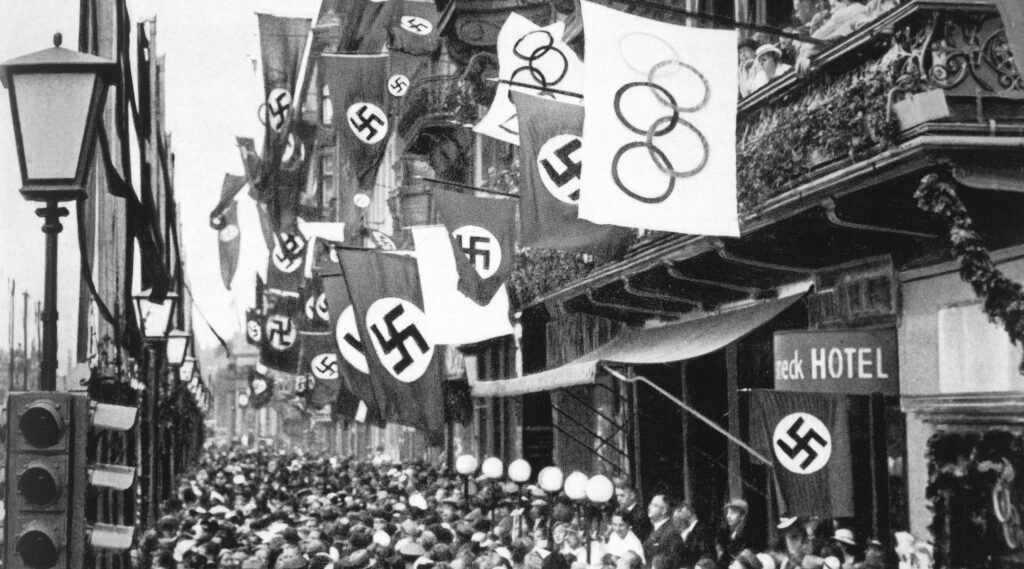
pixel 661 450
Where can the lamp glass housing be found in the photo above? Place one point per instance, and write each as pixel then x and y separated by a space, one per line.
pixel 177 346
pixel 53 110
pixel 466 464
pixel 519 470
pixel 185 371
pixel 493 468
pixel 600 489
pixel 576 486
pixel 550 479
pixel 154 318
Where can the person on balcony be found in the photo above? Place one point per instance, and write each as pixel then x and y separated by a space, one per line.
pixel 664 539
pixel 748 66
pixel 733 538
pixel 635 514
pixel 622 539
pixel 697 536
pixel 769 66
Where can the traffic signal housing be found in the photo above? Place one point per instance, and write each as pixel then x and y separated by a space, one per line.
pixel 48 479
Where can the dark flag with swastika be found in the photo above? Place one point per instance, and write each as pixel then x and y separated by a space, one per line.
pixel 484 229
pixel 285 263
pixel 225 222
pixel 404 73
pixel 405 365
pixel 354 369
pixel 315 316
pixel 319 370
pixel 261 389
pixel 279 349
pixel 359 96
pixel 253 326
pixel 807 436
pixel 415 31
pixel 551 155
pixel 253 171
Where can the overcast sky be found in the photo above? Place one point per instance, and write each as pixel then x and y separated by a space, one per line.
pixel 213 91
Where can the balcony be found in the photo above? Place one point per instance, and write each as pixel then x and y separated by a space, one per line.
pixel 828 161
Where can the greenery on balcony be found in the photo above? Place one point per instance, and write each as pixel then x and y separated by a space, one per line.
pixel 455 99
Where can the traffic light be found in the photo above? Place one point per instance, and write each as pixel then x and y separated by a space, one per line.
pixel 48 479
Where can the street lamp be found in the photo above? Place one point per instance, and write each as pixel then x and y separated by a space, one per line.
pixel 177 346
pixel 492 468
pixel 519 471
pixel 550 479
pixel 599 491
pixel 57 98
pixel 154 318
pixel 465 465
pixel 185 371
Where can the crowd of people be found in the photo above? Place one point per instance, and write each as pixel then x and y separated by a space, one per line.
pixel 761 60
pixel 266 508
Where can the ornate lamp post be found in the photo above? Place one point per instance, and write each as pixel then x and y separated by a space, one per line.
pixel 599 491
pixel 466 465
pixel 550 479
pixel 57 98
pixel 178 342
pixel 519 472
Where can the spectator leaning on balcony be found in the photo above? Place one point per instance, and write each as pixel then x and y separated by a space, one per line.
pixel 847 16
pixel 768 66
pixel 748 65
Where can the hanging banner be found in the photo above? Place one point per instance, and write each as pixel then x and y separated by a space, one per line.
pixel 532 55
pixel 280 348
pixel 285 264
pixel 485 230
pixel 807 435
pixel 415 32
pixel 229 240
pixel 551 158
pixel 660 124
pixel 253 326
pixel 359 97
pixel 355 370
pixel 405 367
pixel 253 171
pixel 452 317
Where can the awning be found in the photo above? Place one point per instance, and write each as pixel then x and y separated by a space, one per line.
pixel 670 343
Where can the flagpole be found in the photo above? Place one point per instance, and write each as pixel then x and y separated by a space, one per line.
pixel 455 185
pixel 534 87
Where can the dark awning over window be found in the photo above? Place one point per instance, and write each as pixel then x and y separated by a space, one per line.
pixel 670 343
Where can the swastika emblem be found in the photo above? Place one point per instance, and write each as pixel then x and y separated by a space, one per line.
pixel 398 85
pixel 395 327
pixel 368 122
pixel 416 25
pixel 303 384
pixel 253 331
pixel 316 308
pixel 228 233
pixel 802 443
pixel 324 366
pixel 288 252
pixel 346 334
pixel 482 248
pixel 279 104
pixel 258 385
pixel 281 332
pixel 559 165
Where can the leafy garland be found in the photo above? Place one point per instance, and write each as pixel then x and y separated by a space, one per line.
pixel 963 469
pixel 537 272
pixel 1004 299
pixel 832 118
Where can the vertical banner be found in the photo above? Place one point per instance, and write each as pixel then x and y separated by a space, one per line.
pixel 253 166
pixel 551 157
pixel 280 348
pixel 229 241
pixel 285 265
pixel 253 326
pixel 415 31
pixel 660 124
pixel 349 344
pixel 532 55
pixel 405 367
pixel 319 369
pixel 359 95
pixel 807 435
pixel 485 230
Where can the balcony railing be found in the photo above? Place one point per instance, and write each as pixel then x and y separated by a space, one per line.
pixel 456 100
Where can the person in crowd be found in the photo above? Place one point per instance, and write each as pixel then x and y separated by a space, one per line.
pixel 733 538
pixel 795 543
pixel 769 66
pixel 698 539
pixel 848 547
pixel 664 539
pixel 621 539
pixel 747 65
pixel 627 501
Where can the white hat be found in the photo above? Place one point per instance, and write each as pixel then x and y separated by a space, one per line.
pixel 844 535
pixel 767 48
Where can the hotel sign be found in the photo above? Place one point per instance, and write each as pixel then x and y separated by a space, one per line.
pixel 837 361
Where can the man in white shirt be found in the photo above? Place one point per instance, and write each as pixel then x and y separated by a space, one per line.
pixel 622 538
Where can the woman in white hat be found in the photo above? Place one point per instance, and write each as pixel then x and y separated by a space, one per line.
pixel 847 543
pixel 769 65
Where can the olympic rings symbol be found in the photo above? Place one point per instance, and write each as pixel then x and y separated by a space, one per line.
pixel 533 59
pixel 661 127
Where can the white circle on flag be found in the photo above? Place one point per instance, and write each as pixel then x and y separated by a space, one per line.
pixel 259 385
pixel 482 248
pixel 253 331
pixel 324 366
pixel 288 252
pixel 228 233
pixel 281 332
pixel 396 331
pixel 802 443
pixel 398 85
pixel 243 399
pixel 321 307
pixel 361 200
pixel 347 335
pixel 416 25
pixel 367 121
pixel 279 104
pixel 559 163
pixel 294 151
